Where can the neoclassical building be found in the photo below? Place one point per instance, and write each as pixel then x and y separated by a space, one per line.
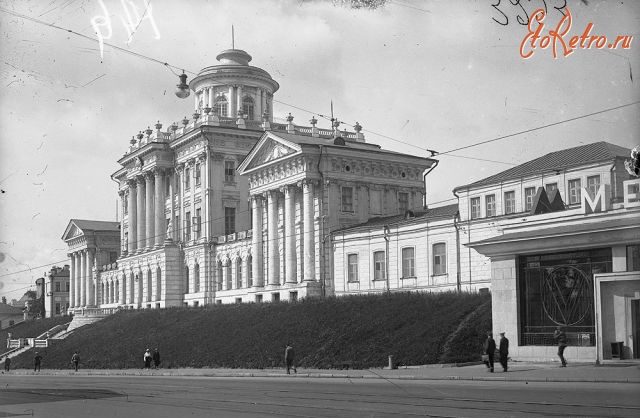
pixel 228 206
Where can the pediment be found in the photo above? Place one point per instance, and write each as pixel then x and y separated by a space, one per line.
pixel 268 150
pixel 72 231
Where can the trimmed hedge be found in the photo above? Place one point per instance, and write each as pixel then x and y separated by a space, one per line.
pixel 413 327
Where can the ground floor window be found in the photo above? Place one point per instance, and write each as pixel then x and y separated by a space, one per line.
pixel 633 257
pixel 557 290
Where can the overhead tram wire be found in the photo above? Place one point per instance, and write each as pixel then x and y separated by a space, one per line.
pixel 172 67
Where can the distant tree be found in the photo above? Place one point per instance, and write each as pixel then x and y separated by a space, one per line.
pixel 4 300
pixel 34 306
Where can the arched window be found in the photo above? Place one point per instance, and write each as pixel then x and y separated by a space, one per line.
pixel 186 279
pixel 219 274
pixel 102 299
pixel 238 273
pixel 247 107
pixel 221 105
pixel 105 291
pixel 111 292
pixel 158 284
pixel 132 279
pixel 124 288
pixel 196 278
pixel 117 291
pixel 249 271
pixel 149 286
pixel 228 275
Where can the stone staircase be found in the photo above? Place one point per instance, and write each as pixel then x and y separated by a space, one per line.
pixel 85 318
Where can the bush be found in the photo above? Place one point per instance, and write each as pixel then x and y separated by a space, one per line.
pixel 413 327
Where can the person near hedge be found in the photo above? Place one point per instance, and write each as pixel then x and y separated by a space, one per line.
pixel 37 362
pixel 75 359
pixel 490 350
pixel 504 351
pixel 156 358
pixel 289 357
pixel 147 359
pixel 561 338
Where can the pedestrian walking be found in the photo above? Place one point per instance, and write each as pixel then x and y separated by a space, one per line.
pixel 503 349
pixel 147 359
pixel 7 364
pixel 37 362
pixel 156 358
pixel 561 339
pixel 289 358
pixel 75 359
pixel 490 350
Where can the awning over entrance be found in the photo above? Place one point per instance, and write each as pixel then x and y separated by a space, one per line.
pixel 577 234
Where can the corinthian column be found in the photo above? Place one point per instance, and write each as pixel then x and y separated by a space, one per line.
pixel 160 228
pixel 72 280
pixel 140 214
pixel 309 232
pixel 83 281
pixel 78 289
pixel 256 241
pixel 90 291
pixel 131 209
pixel 272 234
pixel 290 234
pixel 149 211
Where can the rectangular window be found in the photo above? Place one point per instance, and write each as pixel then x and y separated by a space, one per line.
pixel 275 297
pixel 229 220
pixel 238 300
pixel 439 258
pixel 551 187
pixel 574 192
pixel 258 298
pixel 250 272
pixel 379 266
pixel 187 227
pixel 57 286
pixel 633 258
pixel 347 199
pixel 490 205
pixel 293 296
pixel 352 262
pixel 197 223
pixel 593 184
pixel 376 201
pixel 529 195
pixel 229 171
pixel 408 262
pixel 58 307
pixel 475 207
pixel 197 174
pixel 187 178
pixel 67 287
pixel 403 202
pixel 229 281
pixel 239 273
pixel 509 202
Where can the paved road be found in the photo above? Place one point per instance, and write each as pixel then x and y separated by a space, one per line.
pixel 68 396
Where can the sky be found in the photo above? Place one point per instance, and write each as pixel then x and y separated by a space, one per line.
pixel 417 75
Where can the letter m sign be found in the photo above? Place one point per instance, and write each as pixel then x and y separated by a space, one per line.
pixel 599 202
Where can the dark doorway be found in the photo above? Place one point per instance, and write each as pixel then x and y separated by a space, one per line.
pixel 635 326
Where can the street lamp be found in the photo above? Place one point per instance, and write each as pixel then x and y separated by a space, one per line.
pixel 182 90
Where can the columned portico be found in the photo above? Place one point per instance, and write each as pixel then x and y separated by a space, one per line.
pixel 159 207
pixel 149 212
pixel 256 243
pixel 132 213
pixel 72 280
pixel 90 292
pixel 140 214
pixel 309 233
pixel 272 234
pixel 290 234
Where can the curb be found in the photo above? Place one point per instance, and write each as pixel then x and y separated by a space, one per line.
pixel 369 376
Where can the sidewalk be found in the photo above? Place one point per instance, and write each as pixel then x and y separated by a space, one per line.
pixel 620 372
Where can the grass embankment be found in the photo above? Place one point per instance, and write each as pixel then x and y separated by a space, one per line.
pixel 414 328
pixel 31 328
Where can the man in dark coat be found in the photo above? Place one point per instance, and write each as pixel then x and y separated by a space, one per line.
pixel 504 351
pixel 7 364
pixel 156 358
pixel 289 357
pixel 490 350
pixel 37 361
pixel 75 359
pixel 561 338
